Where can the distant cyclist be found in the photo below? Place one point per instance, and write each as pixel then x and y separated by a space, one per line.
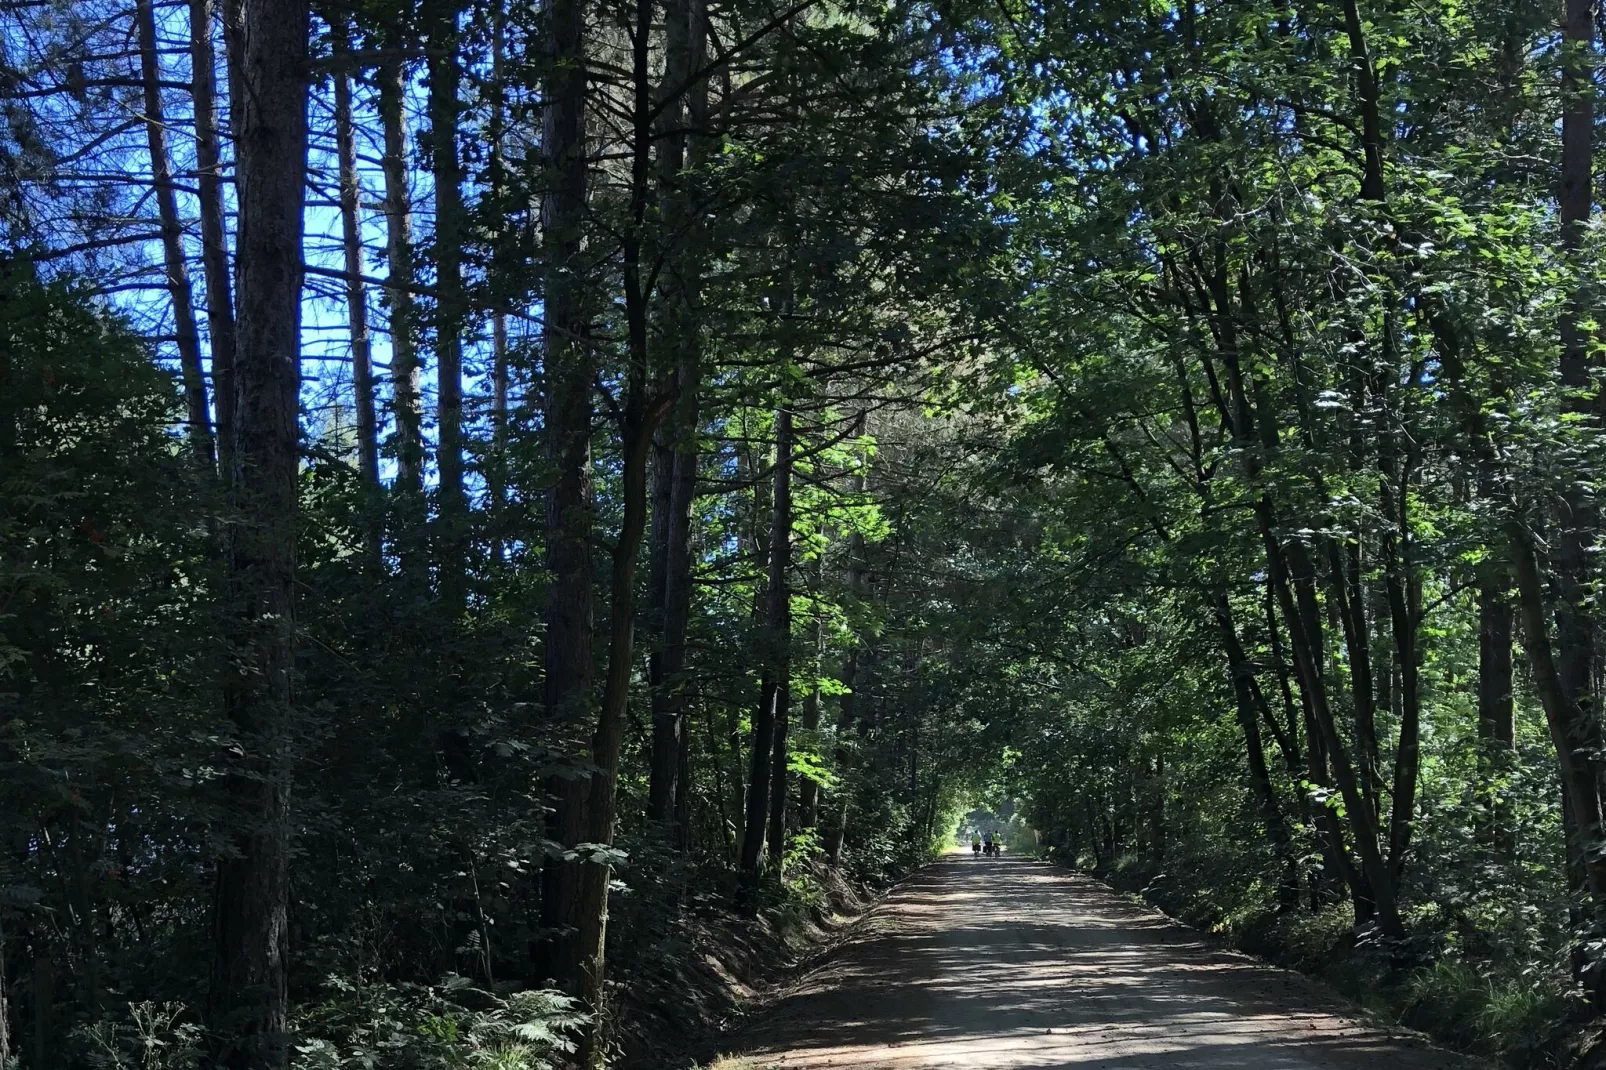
pixel 975 843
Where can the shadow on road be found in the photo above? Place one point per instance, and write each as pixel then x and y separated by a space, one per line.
pixel 984 963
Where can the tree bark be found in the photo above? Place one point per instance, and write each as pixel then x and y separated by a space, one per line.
pixel 214 230
pixel 408 442
pixel 777 630
pixel 781 638
pixel 356 290
pixel 570 369
pixel 1404 592
pixel 1347 595
pixel 808 791
pixel 198 410
pixel 268 44
pixel 5 1006
pixel 1496 724
pixel 445 77
pixel 1289 566
pixel 1579 525
pixel 601 808
pixel 1496 720
pixel 1260 784
pixel 1569 729
pixel 837 826
pixel 675 447
pixel 44 1009
pixel 637 423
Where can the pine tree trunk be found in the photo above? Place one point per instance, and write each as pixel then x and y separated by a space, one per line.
pixel 362 375
pixel 781 638
pixel 1579 525
pixel 497 463
pixel 198 411
pixel 1569 728
pixel 569 502
pixel 409 443
pixel 638 421
pixel 768 735
pixel 5 1006
pixel 756 810
pixel 606 746
pixel 268 46
pixel 837 825
pixel 836 828
pixel 444 79
pixel 1496 725
pixel 808 791
pixel 214 231
pixel 1496 721
pixel 675 448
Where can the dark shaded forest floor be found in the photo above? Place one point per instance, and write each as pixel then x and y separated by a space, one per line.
pixel 716 966
pixel 1016 964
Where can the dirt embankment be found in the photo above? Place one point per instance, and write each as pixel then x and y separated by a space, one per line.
pixel 716 966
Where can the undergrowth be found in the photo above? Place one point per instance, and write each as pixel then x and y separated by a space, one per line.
pixel 1520 1010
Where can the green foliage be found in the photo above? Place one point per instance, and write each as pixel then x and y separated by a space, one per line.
pixel 153 1037
pixel 450 1026
pixel 1132 356
pixel 1506 1012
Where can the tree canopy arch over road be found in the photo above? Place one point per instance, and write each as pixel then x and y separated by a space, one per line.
pixel 490 487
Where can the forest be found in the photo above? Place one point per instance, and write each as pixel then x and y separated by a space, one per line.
pixel 495 496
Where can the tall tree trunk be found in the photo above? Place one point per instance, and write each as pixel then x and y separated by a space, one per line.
pixel 1260 784
pixel 1496 721
pixel 837 825
pixel 5 1006
pixel 735 781
pixel 638 420
pixel 1579 525
pixel 1574 732
pixel 808 791
pixel 781 637
pixel 1496 724
pixel 496 468
pixel 1402 585
pixel 1346 594
pixel 268 45
pixel 601 808
pixel 569 369
pixel 496 476
pixel 1290 569
pixel 444 79
pixel 44 1009
pixel 777 631
pixel 362 374
pixel 197 409
pixel 1570 729
pixel 409 441
pixel 1404 591
pixel 662 766
pixel 214 231
pixel 675 448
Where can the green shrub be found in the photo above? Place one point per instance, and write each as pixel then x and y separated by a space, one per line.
pixel 451 1026
pixel 1476 1010
pixel 152 1037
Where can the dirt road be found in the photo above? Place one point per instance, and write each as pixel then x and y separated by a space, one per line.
pixel 1010 964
